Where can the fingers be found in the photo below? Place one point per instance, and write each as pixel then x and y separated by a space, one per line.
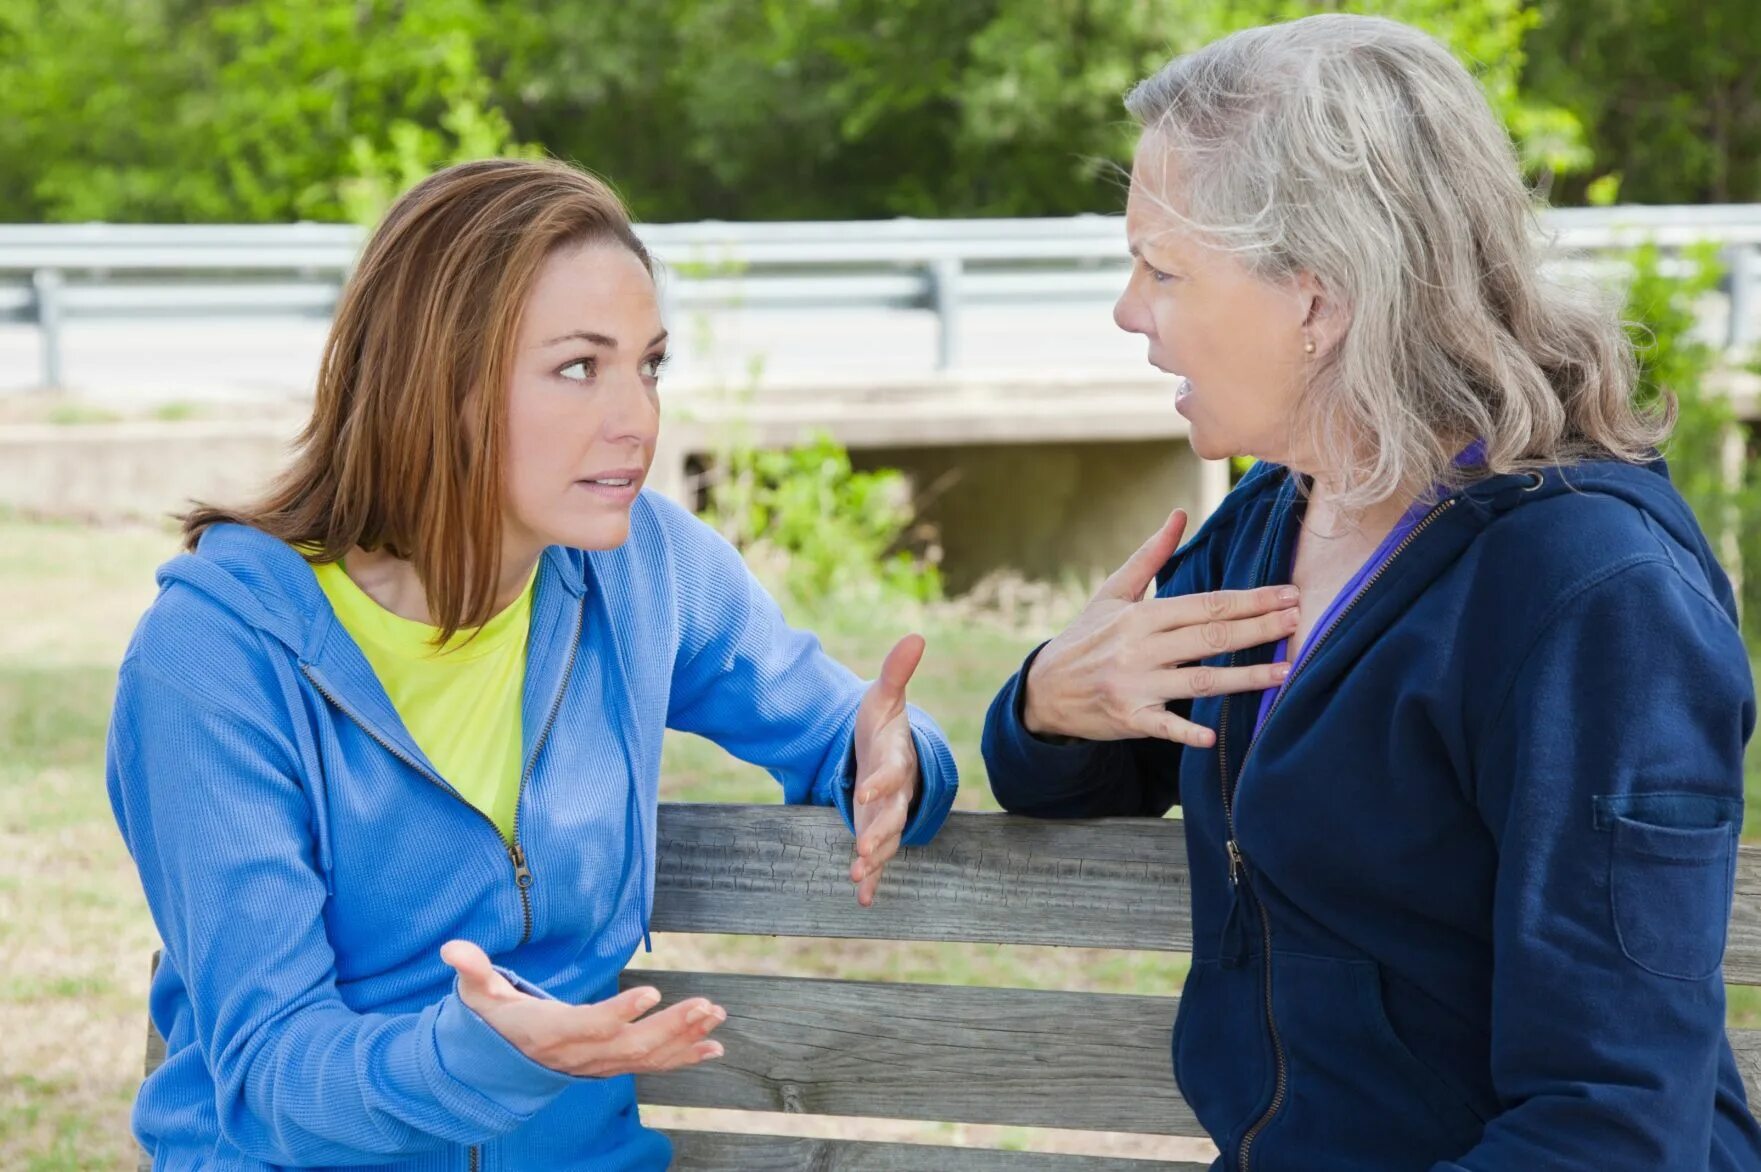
pixel 1217 606
pixel 887 694
pixel 897 774
pixel 1188 683
pixel 877 838
pixel 683 1054
pixel 1189 644
pixel 667 1037
pixel 1160 723
pixel 631 1004
pixel 1130 580
pixel 479 983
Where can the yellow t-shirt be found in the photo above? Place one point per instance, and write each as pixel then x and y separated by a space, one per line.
pixel 461 703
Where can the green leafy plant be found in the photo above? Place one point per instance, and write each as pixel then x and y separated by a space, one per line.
pixel 837 531
pixel 1660 310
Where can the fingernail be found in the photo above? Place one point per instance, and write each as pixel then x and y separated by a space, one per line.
pixel 1291 618
pixel 1281 670
pixel 1289 594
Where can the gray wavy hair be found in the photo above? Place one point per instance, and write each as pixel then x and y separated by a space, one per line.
pixel 1359 150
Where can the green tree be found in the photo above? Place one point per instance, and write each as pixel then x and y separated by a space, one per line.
pixel 1669 93
pixel 262 110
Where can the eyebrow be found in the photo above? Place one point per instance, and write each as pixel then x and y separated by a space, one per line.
pixel 1133 248
pixel 600 339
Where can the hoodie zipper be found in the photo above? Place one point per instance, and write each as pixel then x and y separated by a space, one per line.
pixel 522 875
pixel 476 1160
pixel 1237 861
pixel 515 852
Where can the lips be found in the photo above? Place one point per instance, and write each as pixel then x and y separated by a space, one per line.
pixel 614 478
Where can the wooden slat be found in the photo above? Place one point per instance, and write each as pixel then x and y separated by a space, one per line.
pixel 718 1151
pixel 1742 950
pixel 1746 1045
pixel 784 871
pixel 1119 883
pixel 1090 1061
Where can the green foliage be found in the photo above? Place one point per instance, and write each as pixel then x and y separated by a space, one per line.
pixel 1660 312
pixel 1669 91
pixel 836 530
pixel 263 110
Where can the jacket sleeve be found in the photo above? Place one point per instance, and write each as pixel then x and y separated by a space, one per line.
pixel 770 695
pixel 1610 777
pixel 209 795
pixel 1070 778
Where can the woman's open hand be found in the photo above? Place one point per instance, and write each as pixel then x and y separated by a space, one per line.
pixel 1110 675
pixel 593 1041
pixel 887 771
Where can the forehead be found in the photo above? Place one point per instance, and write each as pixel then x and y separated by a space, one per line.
pixel 1150 221
pixel 596 279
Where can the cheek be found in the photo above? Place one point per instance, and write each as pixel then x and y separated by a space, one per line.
pixel 545 438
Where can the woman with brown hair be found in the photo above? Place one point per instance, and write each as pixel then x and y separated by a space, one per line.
pixel 405 713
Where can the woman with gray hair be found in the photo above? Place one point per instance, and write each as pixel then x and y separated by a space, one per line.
pixel 1450 688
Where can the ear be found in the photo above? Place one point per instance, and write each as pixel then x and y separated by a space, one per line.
pixel 1325 316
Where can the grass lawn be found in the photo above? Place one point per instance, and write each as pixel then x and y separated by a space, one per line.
pixel 75 937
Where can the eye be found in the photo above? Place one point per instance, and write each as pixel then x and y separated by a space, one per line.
pixel 654 364
pixel 1156 275
pixel 586 366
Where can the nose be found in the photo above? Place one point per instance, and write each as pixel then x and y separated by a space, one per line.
pixel 1129 312
pixel 635 414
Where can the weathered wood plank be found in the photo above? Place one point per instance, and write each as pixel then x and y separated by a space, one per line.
pixel 1119 883
pixel 717 1151
pixel 1742 950
pixel 784 871
pixel 1090 1061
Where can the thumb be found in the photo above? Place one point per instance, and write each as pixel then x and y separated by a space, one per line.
pixel 1129 582
pixel 889 689
pixel 479 983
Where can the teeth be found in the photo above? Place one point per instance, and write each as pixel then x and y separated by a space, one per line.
pixel 612 483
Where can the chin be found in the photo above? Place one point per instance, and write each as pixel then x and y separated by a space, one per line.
pixel 1207 448
pixel 593 533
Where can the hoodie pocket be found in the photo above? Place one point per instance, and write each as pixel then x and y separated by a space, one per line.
pixel 1356 1088
pixel 1671 870
pixel 1222 1052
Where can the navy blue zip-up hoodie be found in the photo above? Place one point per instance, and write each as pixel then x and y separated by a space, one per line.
pixel 1487 842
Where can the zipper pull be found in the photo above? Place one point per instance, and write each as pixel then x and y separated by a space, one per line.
pixel 522 876
pixel 1237 865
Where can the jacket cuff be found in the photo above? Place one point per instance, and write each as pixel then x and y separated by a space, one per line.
pixel 476 1062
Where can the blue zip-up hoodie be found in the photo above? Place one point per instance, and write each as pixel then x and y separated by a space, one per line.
pixel 304 862
pixel 1487 842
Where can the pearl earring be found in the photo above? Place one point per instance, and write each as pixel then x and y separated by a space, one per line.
pixel 1308 344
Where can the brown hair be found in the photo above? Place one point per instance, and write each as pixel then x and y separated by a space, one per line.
pixel 405 447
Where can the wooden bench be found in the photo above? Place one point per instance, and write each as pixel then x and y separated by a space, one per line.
pixel 1087 1061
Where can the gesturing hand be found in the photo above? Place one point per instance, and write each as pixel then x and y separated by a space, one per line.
pixel 596 1041
pixel 887 774
pixel 1109 675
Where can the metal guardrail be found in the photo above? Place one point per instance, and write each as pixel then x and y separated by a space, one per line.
pixel 51 274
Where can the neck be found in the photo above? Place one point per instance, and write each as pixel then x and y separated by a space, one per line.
pixel 394 584
pixel 1324 517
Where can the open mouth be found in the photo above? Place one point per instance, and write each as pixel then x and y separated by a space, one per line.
pixel 620 486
